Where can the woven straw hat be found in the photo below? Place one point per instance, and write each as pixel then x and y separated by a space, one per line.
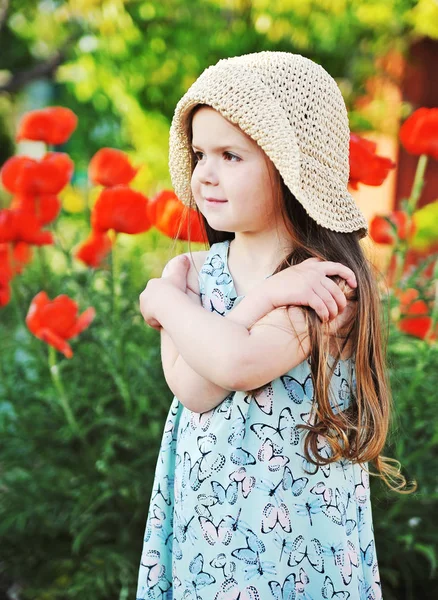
pixel 295 111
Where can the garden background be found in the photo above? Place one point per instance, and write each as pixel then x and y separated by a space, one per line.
pixel 79 436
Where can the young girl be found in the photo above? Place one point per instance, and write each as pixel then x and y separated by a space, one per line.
pixel 272 348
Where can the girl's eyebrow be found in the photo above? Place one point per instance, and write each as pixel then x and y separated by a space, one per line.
pixel 222 148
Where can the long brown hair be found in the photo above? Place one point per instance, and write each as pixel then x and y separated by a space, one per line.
pixel 359 432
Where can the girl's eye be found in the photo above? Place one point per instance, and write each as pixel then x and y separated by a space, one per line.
pixel 227 154
pixel 232 156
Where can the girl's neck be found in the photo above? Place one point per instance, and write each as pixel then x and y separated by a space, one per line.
pixel 253 257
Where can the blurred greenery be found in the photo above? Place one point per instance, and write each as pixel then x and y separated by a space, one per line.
pixel 122 65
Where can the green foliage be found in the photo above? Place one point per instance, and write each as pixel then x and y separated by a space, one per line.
pixel 72 512
pixel 404 525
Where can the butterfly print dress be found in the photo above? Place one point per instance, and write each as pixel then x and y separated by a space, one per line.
pixel 233 513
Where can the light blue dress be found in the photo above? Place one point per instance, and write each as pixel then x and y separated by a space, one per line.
pixel 234 516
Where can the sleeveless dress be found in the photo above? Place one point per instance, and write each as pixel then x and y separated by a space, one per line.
pixel 233 513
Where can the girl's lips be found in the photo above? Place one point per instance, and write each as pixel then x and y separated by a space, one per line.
pixel 215 201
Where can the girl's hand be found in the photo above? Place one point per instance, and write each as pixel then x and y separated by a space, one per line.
pixel 309 284
pixel 148 299
pixel 175 274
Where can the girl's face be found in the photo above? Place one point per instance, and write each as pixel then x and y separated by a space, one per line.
pixel 231 167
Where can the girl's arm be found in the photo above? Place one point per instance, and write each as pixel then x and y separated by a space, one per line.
pixel 192 390
pixel 225 352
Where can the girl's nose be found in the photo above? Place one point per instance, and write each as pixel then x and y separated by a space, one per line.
pixel 206 173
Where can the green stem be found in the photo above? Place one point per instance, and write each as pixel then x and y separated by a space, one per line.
pixel 62 396
pixel 16 301
pixel 114 286
pixel 118 379
pixel 417 186
pixel 43 264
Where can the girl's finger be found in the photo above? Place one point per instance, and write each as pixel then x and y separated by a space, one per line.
pixel 328 300
pixel 334 268
pixel 319 306
pixel 336 292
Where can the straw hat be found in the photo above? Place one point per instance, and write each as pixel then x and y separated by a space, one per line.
pixel 296 113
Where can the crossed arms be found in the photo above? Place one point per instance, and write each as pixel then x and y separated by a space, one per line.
pixel 205 355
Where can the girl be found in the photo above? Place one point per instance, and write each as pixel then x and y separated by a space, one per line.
pixel 271 347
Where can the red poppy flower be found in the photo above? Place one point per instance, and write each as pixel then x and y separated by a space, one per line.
pixel 111 167
pixel 52 125
pixel 22 226
pixel 45 208
pixel 13 258
pixel 21 256
pixel 21 174
pixel 55 321
pixel 122 209
pixel 387 229
pixel 416 319
pixel 6 274
pixel 365 165
pixel 419 133
pixel 94 249
pixel 171 217
pixel 5 290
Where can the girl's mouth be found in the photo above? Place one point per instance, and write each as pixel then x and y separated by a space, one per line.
pixel 215 201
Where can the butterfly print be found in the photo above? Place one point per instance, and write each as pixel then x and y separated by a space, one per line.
pixel 273 515
pixel 351 560
pixel 205 503
pixel 215 533
pixel 200 578
pixel 311 552
pixel 230 590
pixel 263 398
pixel 156 572
pixel 239 456
pixel 162 489
pixel 268 454
pixel 284 432
pixel 337 512
pixel 368 554
pixel 250 555
pixel 247 482
pixel 201 420
pixel 344 392
pixel 225 408
pixel 293 588
pixel 222 494
pixel 205 466
pixel 298 392
pixel 297 486
pixel 215 268
pixel 362 488
pixel 219 303
pixel 328 591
